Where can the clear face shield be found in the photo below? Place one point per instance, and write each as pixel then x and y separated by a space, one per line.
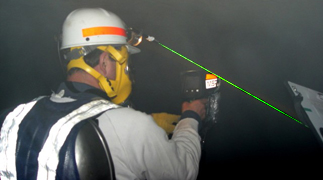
pixel 122 85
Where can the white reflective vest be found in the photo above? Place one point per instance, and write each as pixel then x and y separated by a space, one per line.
pixel 140 149
pixel 48 157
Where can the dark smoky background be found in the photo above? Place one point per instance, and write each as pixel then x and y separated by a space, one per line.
pixel 256 44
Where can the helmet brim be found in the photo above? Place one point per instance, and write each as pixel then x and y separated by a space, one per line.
pixel 132 49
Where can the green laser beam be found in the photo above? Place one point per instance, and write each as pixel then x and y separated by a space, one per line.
pixel 234 85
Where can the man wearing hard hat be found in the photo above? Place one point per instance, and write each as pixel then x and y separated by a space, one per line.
pixel 95 48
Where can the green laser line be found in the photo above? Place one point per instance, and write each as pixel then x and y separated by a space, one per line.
pixel 241 89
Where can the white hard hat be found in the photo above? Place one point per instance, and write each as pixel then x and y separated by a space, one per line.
pixel 94 26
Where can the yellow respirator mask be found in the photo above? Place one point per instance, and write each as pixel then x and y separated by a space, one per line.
pixel 120 88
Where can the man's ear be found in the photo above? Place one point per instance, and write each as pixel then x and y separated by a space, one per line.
pixel 101 67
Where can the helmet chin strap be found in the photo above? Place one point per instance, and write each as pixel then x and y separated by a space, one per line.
pixel 103 83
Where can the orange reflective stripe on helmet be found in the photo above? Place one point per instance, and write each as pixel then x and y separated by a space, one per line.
pixel 106 30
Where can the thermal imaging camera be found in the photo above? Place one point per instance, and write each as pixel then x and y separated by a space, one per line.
pixel 198 84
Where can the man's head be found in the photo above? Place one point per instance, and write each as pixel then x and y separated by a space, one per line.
pixel 96 42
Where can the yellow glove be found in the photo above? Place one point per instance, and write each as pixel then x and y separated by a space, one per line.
pixel 166 121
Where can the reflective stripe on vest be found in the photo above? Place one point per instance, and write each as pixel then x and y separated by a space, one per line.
pixel 8 139
pixel 49 155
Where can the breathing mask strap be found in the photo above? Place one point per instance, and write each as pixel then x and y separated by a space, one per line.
pixel 79 63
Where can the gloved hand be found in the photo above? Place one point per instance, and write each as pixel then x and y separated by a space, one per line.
pixel 166 121
pixel 197 106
